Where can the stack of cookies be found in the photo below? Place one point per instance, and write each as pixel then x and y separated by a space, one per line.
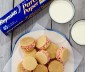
pixel 42 55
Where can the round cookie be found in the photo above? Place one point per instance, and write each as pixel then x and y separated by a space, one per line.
pixel 55 66
pixel 42 42
pixel 27 43
pixel 41 68
pixel 29 63
pixel 30 53
pixel 52 50
pixel 20 68
pixel 62 54
pixel 42 57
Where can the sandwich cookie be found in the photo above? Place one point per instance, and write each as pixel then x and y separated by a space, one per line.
pixel 52 50
pixel 20 68
pixel 42 42
pixel 41 68
pixel 30 53
pixel 42 57
pixel 62 54
pixel 29 63
pixel 27 43
pixel 55 66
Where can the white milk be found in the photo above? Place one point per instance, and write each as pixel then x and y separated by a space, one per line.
pixel 78 32
pixel 61 11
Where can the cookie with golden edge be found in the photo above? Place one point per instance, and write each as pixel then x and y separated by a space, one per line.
pixel 42 42
pixel 62 55
pixel 29 63
pixel 55 66
pixel 41 68
pixel 27 43
pixel 52 49
pixel 29 53
pixel 20 68
pixel 42 57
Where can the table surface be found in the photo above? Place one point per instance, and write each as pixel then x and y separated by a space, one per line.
pixel 43 18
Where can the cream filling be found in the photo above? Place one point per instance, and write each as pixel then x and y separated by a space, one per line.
pixel 59 54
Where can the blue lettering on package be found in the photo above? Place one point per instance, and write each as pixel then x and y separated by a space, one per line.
pixel 16 16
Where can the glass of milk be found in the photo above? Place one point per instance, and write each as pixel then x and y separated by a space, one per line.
pixel 78 32
pixel 61 11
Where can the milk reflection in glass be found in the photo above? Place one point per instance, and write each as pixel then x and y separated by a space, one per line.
pixel 61 11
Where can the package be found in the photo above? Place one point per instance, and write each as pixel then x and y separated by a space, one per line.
pixel 25 10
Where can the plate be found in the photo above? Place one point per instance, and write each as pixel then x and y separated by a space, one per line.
pixel 55 37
